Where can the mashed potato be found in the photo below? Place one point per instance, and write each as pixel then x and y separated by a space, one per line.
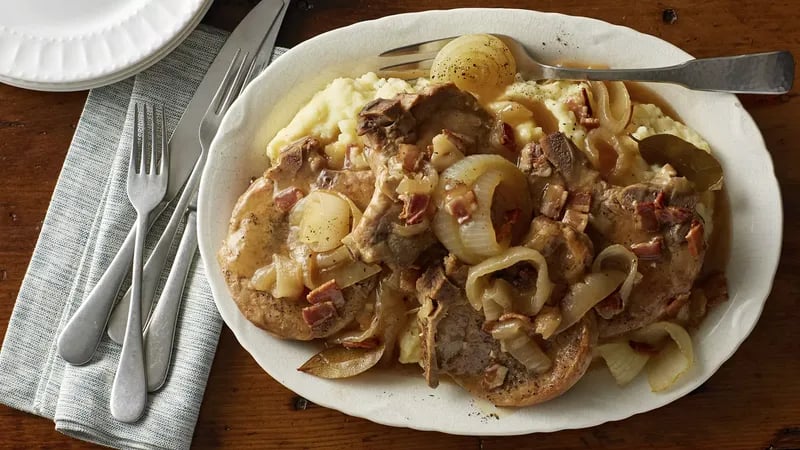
pixel 556 97
pixel 648 120
pixel 331 115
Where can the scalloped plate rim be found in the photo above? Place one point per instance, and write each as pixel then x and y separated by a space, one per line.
pixel 112 68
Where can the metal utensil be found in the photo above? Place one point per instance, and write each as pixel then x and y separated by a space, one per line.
pixel 158 258
pixel 81 335
pixel 759 73
pixel 160 332
pixel 146 189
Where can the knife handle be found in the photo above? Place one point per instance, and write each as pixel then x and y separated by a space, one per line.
pixel 158 258
pixel 159 334
pixel 81 335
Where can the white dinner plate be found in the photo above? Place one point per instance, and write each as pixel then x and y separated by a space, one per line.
pixel 238 153
pixel 65 46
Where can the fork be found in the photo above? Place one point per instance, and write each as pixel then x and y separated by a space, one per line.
pixel 154 265
pixel 159 334
pixel 756 73
pixel 146 189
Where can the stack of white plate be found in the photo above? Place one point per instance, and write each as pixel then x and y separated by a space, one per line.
pixel 56 45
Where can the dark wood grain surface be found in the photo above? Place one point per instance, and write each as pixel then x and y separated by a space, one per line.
pixel 752 402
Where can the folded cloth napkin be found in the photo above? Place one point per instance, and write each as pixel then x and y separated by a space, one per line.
pixel 88 218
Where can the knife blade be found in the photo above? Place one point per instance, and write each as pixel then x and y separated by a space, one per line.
pixel 248 36
pixel 82 334
pixel 151 273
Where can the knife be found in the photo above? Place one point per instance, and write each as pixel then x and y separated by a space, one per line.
pixel 159 333
pixel 81 335
pixel 151 273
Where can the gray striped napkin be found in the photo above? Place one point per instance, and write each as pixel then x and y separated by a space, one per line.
pixel 88 218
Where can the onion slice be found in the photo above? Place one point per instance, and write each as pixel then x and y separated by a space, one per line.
pixel 582 296
pixel 623 362
pixel 387 320
pixel 501 187
pixel 478 234
pixel 515 340
pixel 675 358
pixel 478 281
pixel 620 253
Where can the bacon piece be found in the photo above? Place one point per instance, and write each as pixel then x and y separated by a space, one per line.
pixel 366 343
pixel 646 214
pixel 659 201
pixel 414 207
pixel 610 306
pixel 553 200
pixel 583 111
pixel 533 161
pixel 326 292
pixel 410 156
pixel 575 219
pixel 695 238
pixel 287 198
pixel 318 313
pixel 589 122
pixel 510 218
pixel 672 215
pixel 494 376
pixel 461 205
pixel 580 201
pixel 586 102
pixel 503 136
pixel 648 250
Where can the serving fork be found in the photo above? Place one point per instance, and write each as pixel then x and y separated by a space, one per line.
pixel 757 73
pixel 146 189
pixel 159 335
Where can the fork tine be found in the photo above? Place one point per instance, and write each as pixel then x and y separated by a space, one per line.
pixel 432 46
pixel 237 84
pixel 143 142
pixel 226 81
pixel 406 71
pixel 410 61
pixel 252 72
pixel 164 165
pixel 132 160
pixel 153 155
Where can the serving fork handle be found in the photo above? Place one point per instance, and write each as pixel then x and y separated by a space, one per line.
pixel 758 73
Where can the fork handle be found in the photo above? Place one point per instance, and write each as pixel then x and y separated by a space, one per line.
pixel 157 259
pixel 82 333
pixel 129 390
pixel 758 73
pixel 159 335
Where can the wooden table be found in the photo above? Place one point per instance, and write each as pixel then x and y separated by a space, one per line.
pixel 752 402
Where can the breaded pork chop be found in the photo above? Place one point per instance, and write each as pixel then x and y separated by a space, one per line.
pixel 455 344
pixel 259 230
